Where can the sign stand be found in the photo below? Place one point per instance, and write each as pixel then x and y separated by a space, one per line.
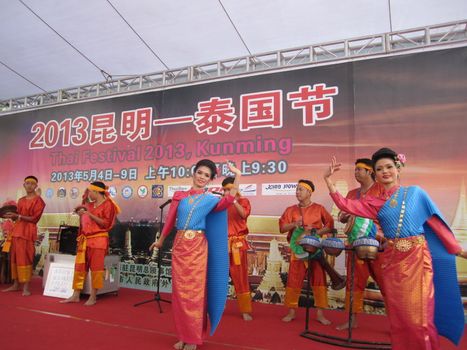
pixel 59 280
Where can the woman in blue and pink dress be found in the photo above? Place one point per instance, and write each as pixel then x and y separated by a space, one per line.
pixel 190 212
pixel 419 272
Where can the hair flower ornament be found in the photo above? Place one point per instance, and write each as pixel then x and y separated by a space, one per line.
pixel 401 159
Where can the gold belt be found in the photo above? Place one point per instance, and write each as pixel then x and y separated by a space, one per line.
pixel 190 234
pixel 405 244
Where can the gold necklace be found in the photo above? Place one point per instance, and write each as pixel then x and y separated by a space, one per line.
pixel 192 199
pixel 393 202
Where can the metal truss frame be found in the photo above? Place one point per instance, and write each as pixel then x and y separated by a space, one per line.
pixel 411 40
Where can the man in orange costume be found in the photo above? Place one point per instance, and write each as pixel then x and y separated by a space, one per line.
pixel 308 215
pixel 97 217
pixel 23 235
pixel 237 216
pixel 363 268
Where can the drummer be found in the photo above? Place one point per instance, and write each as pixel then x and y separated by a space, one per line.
pixel 363 268
pixel 308 215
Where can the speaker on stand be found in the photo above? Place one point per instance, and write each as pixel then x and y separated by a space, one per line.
pixel 67 236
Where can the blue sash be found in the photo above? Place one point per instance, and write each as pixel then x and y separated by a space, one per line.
pixel 218 266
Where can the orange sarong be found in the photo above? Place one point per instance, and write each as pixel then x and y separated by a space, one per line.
pixel 189 270
pixel 21 259
pixel 419 332
pixel 89 258
pixel 239 272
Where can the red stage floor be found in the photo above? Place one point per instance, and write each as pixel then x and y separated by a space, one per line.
pixel 39 322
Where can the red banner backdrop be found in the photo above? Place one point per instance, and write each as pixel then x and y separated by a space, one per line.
pixel 277 128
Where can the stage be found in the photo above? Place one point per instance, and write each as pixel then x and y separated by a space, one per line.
pixel 114 323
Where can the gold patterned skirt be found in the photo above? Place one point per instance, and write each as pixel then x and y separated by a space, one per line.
pixel 189 269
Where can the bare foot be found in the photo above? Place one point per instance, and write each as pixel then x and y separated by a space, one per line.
pixel 26 293
pixel 343 326
pixel 290 316
pixel 323 320
pixel 189 347
pixel 71 299
pixel 90 302
pixel 247 317
pixel 179 345
pixel 13 288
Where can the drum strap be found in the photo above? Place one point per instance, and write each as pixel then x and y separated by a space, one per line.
pixel 319 251
pixel 300 209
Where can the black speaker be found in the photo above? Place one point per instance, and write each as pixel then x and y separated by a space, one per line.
pixel 67 239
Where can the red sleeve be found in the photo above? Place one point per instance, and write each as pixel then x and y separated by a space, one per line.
pixel 284 219
pixel 171 216
pixel 224 203
pixel 37 210
pixel 108 215
pixel 444 234
pixel 367 208
pixel 245 203
pixel 328 220
pixel 350 195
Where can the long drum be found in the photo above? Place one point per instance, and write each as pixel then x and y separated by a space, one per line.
pixel 358 227
pixel 295 246
pixel 333 246
pixel 366 248
pixel 312 245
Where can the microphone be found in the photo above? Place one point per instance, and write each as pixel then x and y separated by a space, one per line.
pixel 218 193
pixel 166 203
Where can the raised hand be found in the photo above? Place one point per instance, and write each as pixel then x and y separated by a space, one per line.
pixel 234 169
pixel 333 167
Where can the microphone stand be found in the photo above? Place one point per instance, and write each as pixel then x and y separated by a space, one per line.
pixel 157 296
